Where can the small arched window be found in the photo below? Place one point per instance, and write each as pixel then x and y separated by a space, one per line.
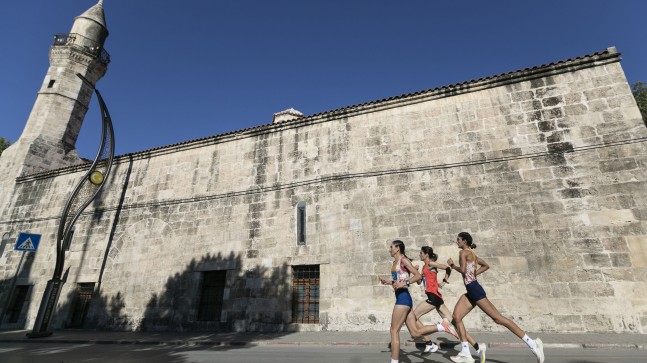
pixel 301 223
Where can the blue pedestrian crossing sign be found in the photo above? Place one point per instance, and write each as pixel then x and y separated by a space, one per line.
pixel 27 242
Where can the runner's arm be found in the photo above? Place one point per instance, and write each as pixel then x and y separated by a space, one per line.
pixel 462 263
pixel 412 270
pixel 448 270
pixel 483 266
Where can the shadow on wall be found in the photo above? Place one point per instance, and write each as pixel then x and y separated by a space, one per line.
pixel 14 293
pixel 212 294
pixel 6 313
pixel 215 294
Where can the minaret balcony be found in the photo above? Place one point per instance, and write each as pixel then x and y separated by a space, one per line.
pixel 83 44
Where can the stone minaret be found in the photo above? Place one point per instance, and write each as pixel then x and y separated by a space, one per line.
pixel 49 138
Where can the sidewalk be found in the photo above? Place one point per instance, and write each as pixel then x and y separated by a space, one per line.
pixel 368 338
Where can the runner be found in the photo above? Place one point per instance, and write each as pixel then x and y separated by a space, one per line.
pixel 470 266
pixel 400 271
pixel 435 300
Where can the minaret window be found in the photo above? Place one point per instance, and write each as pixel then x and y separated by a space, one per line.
pixel 51 83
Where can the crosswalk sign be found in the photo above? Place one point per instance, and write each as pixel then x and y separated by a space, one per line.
pixel 27 242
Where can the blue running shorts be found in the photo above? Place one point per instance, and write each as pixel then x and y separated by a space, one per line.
pixel 475 292
pixel 402 297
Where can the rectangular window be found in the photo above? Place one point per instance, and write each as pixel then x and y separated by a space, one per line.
pixel 301 223
pixel 81 306
pixel 51 83
pixel 211 295
pixel 305 294
pixel 18 299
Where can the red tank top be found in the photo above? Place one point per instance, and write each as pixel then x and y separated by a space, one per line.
pixel 431 281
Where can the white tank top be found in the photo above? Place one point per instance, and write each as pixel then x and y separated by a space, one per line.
pixel 470 271
pixel 399 273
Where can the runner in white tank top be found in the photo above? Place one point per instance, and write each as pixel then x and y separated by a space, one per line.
pixel 470 266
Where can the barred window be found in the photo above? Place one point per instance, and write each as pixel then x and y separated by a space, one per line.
pixel 81 305
pixel 211 295
pixel 305 294
pixel 301 223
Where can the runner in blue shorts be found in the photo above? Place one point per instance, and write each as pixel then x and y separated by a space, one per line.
pixel 470 266
pixel 401 269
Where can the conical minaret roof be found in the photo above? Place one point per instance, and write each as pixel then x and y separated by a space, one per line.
pixel 96 14
pixel 91 25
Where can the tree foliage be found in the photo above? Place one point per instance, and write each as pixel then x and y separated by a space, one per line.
pixel 639 90
pixel 4 143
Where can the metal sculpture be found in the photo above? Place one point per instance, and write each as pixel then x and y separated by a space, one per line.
pixel 86 190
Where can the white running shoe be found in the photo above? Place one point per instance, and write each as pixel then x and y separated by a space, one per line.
pixel 430 347
pixel 539 350
pixel 449 329
pixel 481 352
pixel 460 358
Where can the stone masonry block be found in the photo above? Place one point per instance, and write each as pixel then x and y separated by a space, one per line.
pixel 537 174
pixel 551 91
pixel 590 289
pixel 597 323
pixel 575 109
pixel 552 113
pixel 601 92
pixel 610 217
pixel 622 260
pixel 547 208
pixel 522 96
pixel 618 165
pixel 552 101
pixel 589 275
pixel 638 250
pixel 596 259
pixel 598 105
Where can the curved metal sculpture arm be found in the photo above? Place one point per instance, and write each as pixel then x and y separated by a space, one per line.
pixel 89 186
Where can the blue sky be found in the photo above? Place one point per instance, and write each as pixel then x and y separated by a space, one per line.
pixel 188 69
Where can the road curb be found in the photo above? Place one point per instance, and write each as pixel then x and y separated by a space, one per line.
pixel 443 345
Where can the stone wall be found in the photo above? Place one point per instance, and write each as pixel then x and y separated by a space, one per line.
pixel 545 167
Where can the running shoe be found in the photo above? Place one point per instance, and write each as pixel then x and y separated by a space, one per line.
pixel 430 347
pixel 461 358
pixel 539 350
pixel 481 352
pixel 449 329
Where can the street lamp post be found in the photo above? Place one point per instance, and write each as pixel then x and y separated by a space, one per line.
pixel 86 190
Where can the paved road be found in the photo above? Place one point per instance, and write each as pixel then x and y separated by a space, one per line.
pixel 134 353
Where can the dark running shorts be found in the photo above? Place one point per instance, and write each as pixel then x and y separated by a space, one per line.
pixel 474 292
pixel 402 297
pixel 434 300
